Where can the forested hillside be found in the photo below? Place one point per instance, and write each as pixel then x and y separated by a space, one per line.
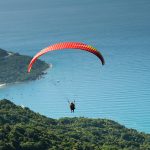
pixel 13 67
pixel 22 129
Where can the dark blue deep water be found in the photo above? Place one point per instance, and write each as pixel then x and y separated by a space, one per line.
pixel 120 90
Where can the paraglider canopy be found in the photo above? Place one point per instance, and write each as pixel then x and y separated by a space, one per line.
pixel 67 45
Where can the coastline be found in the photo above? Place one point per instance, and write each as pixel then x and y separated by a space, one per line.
pixel 2 85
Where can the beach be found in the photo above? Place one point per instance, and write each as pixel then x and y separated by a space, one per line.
pixel 2 85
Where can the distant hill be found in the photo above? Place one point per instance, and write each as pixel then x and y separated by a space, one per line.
pixel 23 129
pixel 3 53
pixel 13 67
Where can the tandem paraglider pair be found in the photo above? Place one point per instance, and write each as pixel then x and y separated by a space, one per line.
pixel 67 45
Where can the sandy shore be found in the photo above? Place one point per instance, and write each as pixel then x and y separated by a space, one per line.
pixel 2 85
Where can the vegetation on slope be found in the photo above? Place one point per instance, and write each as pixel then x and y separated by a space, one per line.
pixel 13 67
pixel 3 53
pixel 22 129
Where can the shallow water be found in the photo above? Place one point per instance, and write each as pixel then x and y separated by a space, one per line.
pixel 120 90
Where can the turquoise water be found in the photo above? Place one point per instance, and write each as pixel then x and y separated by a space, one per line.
pixel 120 90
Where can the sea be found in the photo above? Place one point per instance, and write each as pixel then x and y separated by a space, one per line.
pixel 119 29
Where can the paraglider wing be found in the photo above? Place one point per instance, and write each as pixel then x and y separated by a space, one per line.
pixel 67 45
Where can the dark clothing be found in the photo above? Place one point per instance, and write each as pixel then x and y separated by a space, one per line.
pixel 72 107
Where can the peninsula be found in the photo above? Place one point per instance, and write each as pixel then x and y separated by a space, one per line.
pixel 13 68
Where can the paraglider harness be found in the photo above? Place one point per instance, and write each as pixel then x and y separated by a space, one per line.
pixel 72 106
